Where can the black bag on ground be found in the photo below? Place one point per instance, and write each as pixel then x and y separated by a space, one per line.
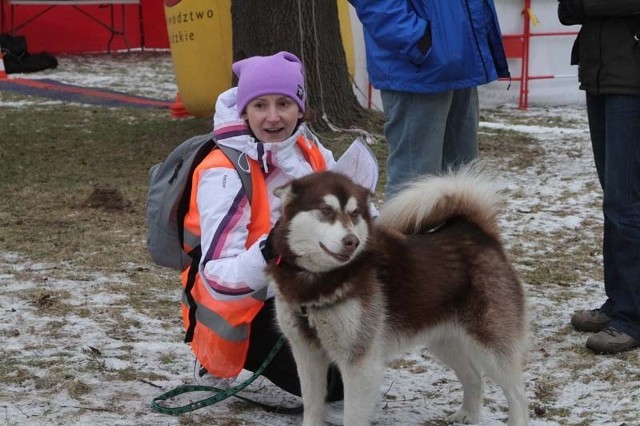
pixel 30 63
pixel 17 58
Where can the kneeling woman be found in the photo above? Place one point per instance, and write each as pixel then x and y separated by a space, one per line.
pixel 263 119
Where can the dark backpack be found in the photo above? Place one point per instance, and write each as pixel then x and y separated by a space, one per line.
pixel 17 58
pixel 168 199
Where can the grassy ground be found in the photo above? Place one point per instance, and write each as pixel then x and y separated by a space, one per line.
pixel 77 182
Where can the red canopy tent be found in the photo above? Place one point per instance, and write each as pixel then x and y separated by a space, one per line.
pixel 74 26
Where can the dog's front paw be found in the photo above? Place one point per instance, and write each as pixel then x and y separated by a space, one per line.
pixel 313 418
pixel 463 416
pixel 313 422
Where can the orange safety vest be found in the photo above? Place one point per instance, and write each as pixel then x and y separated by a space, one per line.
pixel 219 330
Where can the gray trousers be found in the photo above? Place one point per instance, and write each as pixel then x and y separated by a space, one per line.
pixel 428 133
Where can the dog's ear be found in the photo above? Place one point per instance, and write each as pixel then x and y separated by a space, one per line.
pixel 285 193
pixel 281 191
pixel 368 194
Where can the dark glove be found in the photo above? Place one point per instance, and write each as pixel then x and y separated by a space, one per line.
pixel 571 12
pixel 268 250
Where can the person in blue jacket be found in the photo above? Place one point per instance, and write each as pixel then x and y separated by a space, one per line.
pixel 427 58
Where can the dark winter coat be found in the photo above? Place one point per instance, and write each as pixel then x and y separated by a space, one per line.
pixel 607 49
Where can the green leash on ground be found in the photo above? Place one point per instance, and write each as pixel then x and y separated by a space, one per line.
pixel 221 394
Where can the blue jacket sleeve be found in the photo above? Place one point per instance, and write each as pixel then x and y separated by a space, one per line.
pixel 393 26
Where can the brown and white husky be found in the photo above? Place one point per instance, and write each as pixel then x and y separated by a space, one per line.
pixel 429 271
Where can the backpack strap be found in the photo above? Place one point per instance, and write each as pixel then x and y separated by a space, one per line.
pixel 191 280
pixel 235 156
pixel 183 206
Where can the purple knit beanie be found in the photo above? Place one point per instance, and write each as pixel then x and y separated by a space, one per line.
pixel 279 74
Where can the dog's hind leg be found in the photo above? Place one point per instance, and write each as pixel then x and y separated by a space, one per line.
pixel 508 375
pixel 456 356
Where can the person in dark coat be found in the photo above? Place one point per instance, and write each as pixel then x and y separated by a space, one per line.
pixel 607 52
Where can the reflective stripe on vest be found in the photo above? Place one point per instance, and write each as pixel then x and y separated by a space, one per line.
pixel 206 316
pixel 222 330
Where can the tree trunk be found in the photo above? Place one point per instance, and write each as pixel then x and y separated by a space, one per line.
pixel 310 29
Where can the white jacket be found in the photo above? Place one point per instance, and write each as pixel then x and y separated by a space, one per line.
pixel 227 267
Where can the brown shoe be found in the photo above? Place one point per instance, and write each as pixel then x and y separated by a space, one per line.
pixel 611 341
pixel 592 321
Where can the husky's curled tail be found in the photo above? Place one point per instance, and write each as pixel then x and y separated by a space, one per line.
pixel 430 201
